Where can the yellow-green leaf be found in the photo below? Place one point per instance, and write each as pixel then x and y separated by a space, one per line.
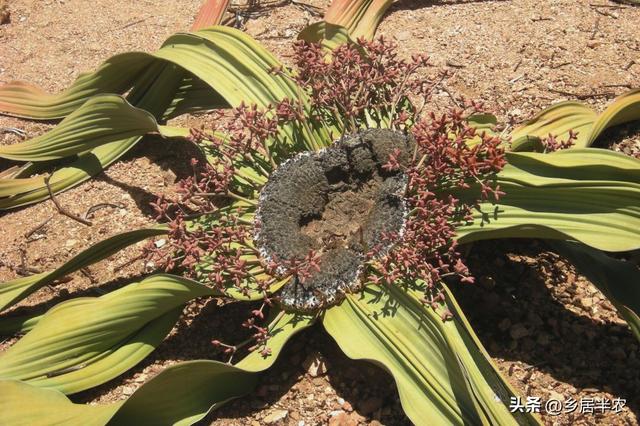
pixel 19 190
pixel 442 373
pixel 329 35
pixel 622 110
pixel 182 394
pixel 589 195
pixel 230 62
pixel 117 75
pixel 25 405
pixel 359 17
pixel 102 119
pixel 84 342
pixel 556 120
pixel 559 119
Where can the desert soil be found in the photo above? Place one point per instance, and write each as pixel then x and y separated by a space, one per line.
pixel 550 331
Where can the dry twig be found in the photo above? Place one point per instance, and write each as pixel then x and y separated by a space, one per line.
pixel 606 13
pixel 453 98
pixel 583 96
pixel 131 24
pixel 62 209
pixel 517 65
pixel 14 130
pixel 37 228
pixel 625 85
pixel 454 65
pixel 99 206
pixel 596 28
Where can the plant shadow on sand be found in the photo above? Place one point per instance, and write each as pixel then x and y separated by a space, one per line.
pixel 529 306
pixel 421 4
pixel 172 156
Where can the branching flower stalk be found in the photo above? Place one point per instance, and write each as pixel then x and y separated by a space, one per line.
pixel 359 86
pixel 552 143
pixel 427 250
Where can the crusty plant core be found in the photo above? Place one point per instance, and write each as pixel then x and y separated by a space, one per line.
pixel 340 203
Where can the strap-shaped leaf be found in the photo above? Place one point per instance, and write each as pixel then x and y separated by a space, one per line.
pixel 589 195
pixel 219 60
pixel 624 109
pixel 558 119
pixel 84 342
pixel 483 123
pixel 359 17
pixel 20 190
pixel 210 13
pixel 114 361
pixel 117 75
pixel 573 164
pixel 194 96
pixel 181 394
pixel 19 288
pixel 232 63
pixel 196 387
pixel 26 405
pixel 618 280
pixel 442 373
pixel 18 324
pixel 184 393
pixel 329 35
pixel 102 119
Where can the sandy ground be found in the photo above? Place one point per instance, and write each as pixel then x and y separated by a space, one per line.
pixel 550 332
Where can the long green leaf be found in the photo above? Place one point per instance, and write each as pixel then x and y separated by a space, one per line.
pixel 21 190
pixel 589 195
pixel 26 405
pixel 442 373
pixel 230 62
pixel 359 17
pixel 199 386
pixel 483 123
pixel 194 96
pixel 84 342
pixel 329 35
pixel 19 288
pixel 624 109
pixel 116 75
pixel 240 70
pixel 102 119
pixel 180 395
pixel 556 120
pixel 559 119
pixel 18 323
